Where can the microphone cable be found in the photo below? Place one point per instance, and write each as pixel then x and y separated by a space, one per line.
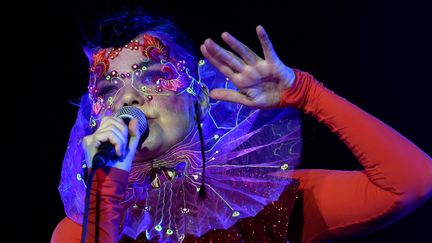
pixel 87 204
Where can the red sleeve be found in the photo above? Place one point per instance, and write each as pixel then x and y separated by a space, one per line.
pixel 108 190
pixel 397 175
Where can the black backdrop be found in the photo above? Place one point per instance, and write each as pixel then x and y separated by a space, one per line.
pixel 376 54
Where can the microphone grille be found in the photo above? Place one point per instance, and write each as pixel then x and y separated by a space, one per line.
pixel 130 112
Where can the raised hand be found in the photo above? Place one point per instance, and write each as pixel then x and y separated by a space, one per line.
pixel 259 81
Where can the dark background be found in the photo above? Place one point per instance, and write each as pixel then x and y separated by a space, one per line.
pixel 376 54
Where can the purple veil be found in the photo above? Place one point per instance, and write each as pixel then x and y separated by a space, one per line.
pixel 243 147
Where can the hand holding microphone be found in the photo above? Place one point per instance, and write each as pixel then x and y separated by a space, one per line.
pixel 116 139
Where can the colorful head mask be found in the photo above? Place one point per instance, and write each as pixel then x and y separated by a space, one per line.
pixel 159 74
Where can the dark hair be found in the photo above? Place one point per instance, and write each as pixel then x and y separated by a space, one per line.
pixel 118 28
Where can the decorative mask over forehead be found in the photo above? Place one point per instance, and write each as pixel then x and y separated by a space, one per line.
pixel 170 77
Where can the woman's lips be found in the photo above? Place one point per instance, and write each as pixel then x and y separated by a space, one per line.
pixel 149 114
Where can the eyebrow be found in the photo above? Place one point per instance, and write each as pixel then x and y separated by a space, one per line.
pixel 143 63
pixel 152 63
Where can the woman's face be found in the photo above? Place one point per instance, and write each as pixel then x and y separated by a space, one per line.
pixel 169 116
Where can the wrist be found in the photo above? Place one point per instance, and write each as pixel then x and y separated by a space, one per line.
pixel 121 165
pixel 289 94
pixel 287 79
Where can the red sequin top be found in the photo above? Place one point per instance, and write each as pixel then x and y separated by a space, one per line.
pixel 325 204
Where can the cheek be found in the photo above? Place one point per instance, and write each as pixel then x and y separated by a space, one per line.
pixel 174 128
pixel 175 117
pixel 177 104
pixel 175 121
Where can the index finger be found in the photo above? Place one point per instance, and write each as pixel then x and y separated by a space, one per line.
pixel 267 46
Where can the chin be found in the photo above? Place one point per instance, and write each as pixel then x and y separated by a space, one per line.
pixel 148 149
pixel 149 145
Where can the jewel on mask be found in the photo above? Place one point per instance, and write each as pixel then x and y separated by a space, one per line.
pixel 190 90
pixel 181 65
pixel 133 45
pixel 92 122
pixel 110 101
pixel 98 105
pixel 114 53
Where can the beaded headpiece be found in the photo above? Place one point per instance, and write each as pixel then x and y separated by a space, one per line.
pixel 159 74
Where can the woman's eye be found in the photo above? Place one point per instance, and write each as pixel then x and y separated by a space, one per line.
pixel 152 77
pixel 146 79
pixel 106 90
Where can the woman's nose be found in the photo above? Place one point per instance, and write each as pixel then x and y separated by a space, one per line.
pixel 130 97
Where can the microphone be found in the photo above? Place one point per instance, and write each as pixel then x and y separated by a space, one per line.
pixel 106 150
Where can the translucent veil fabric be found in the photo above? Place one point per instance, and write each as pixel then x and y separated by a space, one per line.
pixel 243 147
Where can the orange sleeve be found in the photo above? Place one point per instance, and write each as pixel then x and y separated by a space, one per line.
pixel 397 175
pixel 108 190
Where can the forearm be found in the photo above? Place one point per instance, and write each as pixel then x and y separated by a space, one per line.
pixel 108 189
pixel 105 209
pixel 390 160
pixel 339 204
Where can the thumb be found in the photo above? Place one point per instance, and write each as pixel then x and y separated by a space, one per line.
pixel 230 96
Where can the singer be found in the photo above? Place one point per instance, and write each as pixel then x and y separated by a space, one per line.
pixel 224 140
